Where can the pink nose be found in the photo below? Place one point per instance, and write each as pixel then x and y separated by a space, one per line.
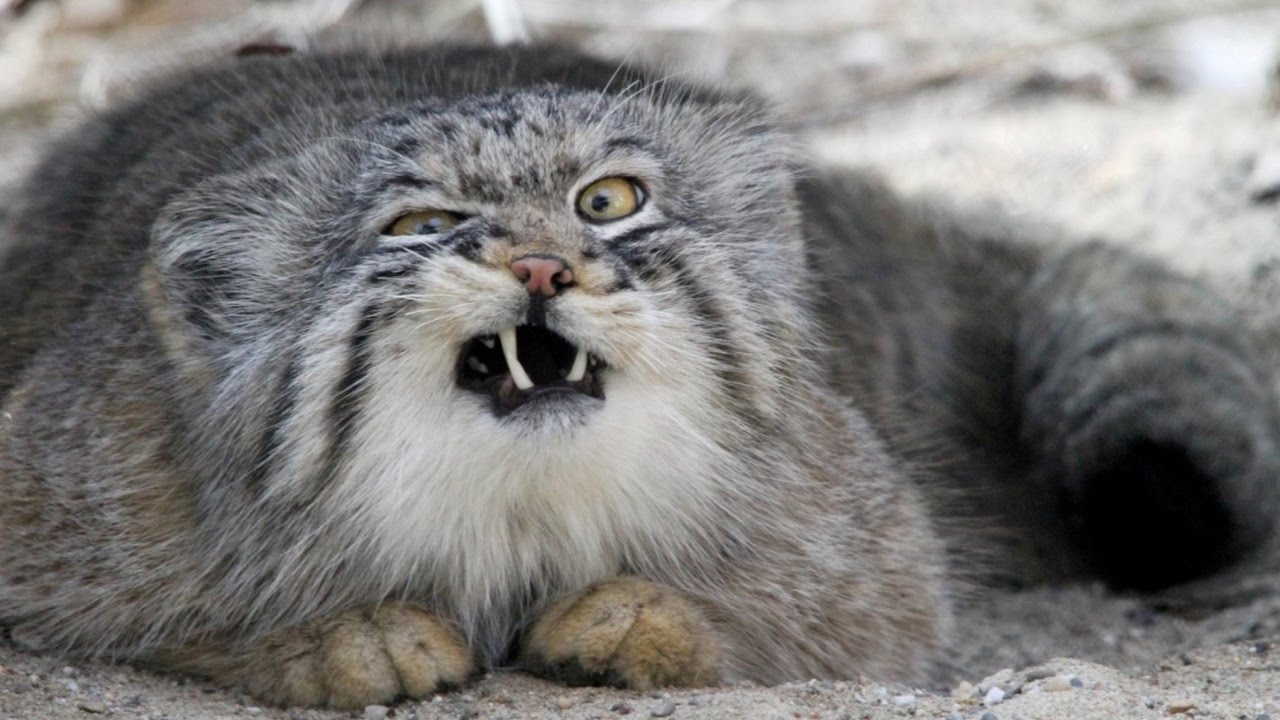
pixel 542 274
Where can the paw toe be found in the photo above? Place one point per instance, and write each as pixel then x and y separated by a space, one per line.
pixel 356 668
pixel 425 653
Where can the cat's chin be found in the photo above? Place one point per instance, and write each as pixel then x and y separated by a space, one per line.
pixel 557 403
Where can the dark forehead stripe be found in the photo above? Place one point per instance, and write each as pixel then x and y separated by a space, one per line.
pixel 627 143
pixel 407 147
pixel 411 181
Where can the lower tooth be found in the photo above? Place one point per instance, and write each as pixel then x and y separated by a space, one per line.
pixel 476 365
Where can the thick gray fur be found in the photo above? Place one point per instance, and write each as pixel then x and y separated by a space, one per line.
pixel 228 403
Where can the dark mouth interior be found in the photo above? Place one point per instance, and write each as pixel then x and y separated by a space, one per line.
pixel 546 357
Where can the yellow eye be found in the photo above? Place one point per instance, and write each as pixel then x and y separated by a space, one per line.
pixel 423 222
pixel 610 199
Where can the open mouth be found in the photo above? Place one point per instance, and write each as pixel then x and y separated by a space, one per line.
pixel 526 364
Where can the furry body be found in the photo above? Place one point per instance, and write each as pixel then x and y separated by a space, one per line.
pixel 231 407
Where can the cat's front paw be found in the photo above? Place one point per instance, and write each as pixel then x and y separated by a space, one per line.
pixel 359 657
pixel 625 632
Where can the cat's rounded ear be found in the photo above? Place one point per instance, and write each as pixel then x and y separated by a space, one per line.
pixel 228 256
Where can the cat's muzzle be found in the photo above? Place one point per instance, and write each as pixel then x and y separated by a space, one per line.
pixel 528 364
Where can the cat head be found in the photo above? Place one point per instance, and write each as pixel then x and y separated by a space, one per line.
pixel 409 235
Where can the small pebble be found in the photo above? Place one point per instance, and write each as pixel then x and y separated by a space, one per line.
pixel 1039 673
pixel 253 710
pixel 469 713
pixel 71 685
pixel 1057 683
pixel 85 14
pixel 621 708
pixel 68 670
pixel 97 707
pixel 564 702
pixel 20 688
pixel 1143 616
pixel 1000 678
pixel 955 716
pixel 1263 184
pixel 664 710
pixel 994 696
pixel 375 712
pixel 904 700
pixel 989 716
pixel 1178 707
pixel 1077 682
pixel 964 691
pixel 1262 716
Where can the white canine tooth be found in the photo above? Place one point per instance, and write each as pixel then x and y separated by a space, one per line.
pixel 487 342
pixel 579 370
pixel 507 336
pixel 476 365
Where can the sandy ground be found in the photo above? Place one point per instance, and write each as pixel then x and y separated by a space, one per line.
pixel 1158 140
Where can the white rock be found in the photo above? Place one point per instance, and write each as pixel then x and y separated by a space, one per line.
pixel 1000 678
pixel 994 696
pixel 1057 683
pixel 84 14
pixel 1264 181
pixel 964 691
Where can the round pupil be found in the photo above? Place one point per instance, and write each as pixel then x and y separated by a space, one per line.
pixel 601 201
pixel 429 225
